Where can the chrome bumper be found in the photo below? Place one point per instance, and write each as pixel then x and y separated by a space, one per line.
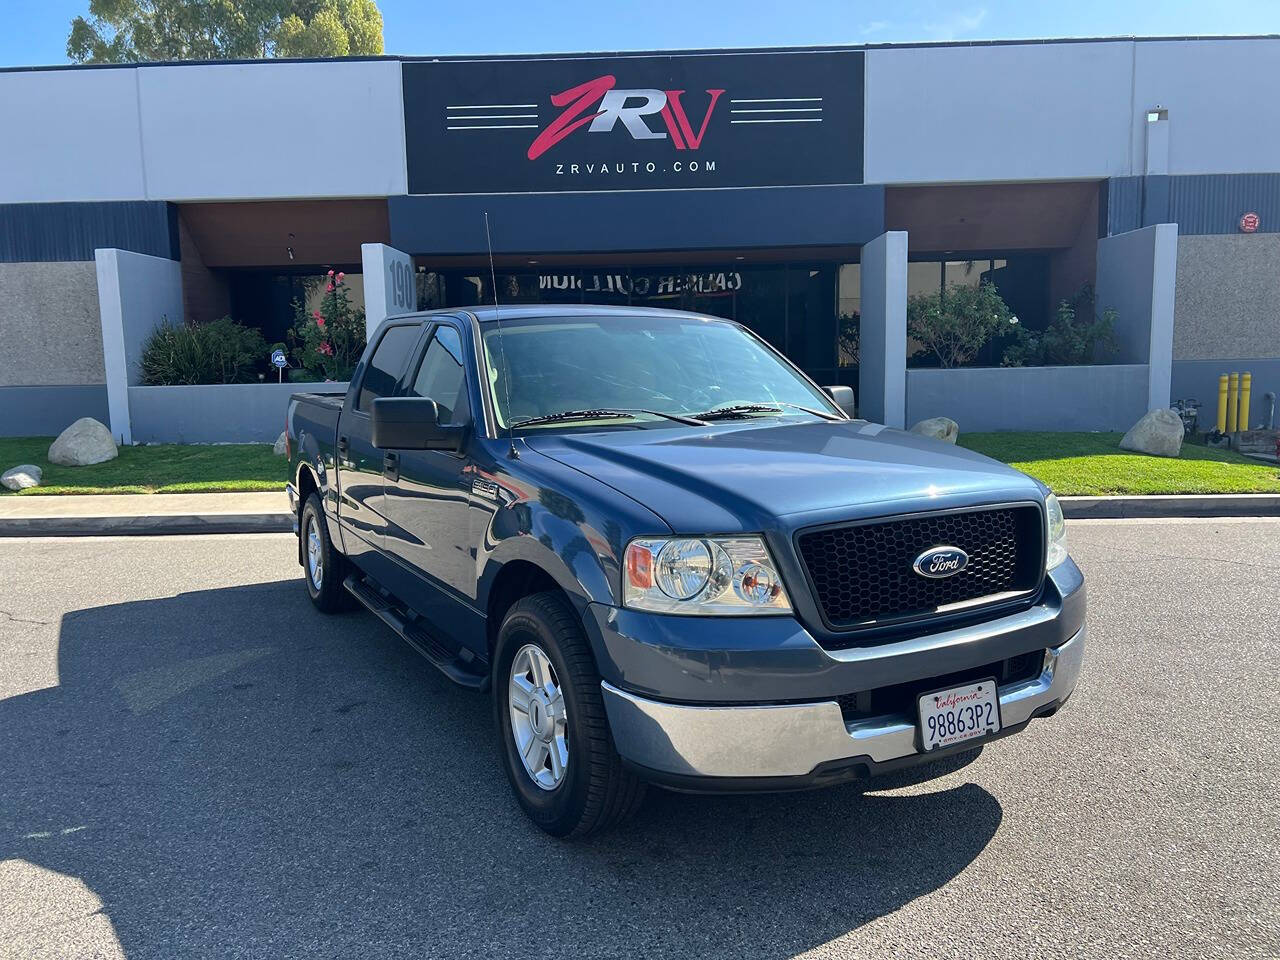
pixel 791 740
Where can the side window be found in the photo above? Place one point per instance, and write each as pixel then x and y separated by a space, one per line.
pixel 386 365
pixel 442 376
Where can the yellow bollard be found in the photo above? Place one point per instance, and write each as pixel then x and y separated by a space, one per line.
pixel 1233 402
pixel 1222 404
pixel 1246 385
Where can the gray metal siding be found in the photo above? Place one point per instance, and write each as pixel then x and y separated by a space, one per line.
pixel 1213 203
pixel 1198 204
pixel 36 232
pixel 1124 205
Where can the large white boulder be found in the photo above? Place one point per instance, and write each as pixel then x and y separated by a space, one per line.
pixel 1159 432
pixel 84 442
pixel 279 449
pixel 21 477
pixel 938 428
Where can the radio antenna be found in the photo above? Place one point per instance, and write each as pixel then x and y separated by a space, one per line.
pixel 502 341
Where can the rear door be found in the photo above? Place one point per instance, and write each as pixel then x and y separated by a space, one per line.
pixel 360 464
pixel 427 497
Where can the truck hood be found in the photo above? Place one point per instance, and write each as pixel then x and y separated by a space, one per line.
pixel 747 476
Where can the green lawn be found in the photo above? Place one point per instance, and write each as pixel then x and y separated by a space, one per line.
pixel 1093 464
pixel 165 468
pixel 1070 463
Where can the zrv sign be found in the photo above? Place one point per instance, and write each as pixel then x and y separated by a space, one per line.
pixel 634 122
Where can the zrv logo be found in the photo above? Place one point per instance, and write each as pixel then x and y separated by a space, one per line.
pixel 630 107
pixel 634 122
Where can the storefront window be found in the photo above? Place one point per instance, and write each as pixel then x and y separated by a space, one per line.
pixel 1022 282
pixel 849 319
pixel 923 279
pixel 792 307
pixel 265 299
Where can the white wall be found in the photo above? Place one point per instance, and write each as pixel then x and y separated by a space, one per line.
pixel 389 285
pixel 882 331
pixel 202 132
pixel 1009 112
pixel 135 293
pixel 250 131
pixel 1045 111
pixel 1137 277
pixel 1222 98
pixel 1022 112
pixel 70 135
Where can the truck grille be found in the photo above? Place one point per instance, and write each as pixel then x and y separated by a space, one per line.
pixel 862 572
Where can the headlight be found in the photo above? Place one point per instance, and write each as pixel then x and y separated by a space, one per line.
pixel 719 576
pixel 1056 549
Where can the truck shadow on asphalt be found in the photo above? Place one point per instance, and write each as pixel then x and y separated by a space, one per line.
pixel 232 773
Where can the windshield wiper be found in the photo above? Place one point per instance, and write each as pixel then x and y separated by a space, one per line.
pixel 741 410
pixel 604 413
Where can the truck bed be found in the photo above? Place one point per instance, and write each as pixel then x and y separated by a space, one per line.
pixel 332 400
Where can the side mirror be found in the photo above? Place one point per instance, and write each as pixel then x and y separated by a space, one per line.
pixel 412 423
pixel 843 396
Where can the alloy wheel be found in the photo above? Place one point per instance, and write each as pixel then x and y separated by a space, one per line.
pixel 315 554
pixel 539 719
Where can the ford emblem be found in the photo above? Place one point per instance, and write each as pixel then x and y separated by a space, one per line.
pixel 939 562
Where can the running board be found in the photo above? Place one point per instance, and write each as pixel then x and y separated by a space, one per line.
pixel 385 607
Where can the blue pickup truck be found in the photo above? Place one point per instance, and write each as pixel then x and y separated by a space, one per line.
pixel 669 557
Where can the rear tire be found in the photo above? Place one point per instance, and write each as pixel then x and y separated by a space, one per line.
pixel 323 567
pixel 547 706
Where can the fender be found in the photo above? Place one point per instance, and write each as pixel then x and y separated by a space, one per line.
pixel 576 556
pixel 310 458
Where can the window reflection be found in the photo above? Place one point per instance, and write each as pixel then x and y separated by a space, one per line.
pixel 796 308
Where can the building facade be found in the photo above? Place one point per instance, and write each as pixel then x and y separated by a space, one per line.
pixel 749 184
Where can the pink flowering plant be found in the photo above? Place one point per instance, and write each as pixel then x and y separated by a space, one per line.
pixel 329 339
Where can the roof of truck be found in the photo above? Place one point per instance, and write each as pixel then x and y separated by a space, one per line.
pixel 528 311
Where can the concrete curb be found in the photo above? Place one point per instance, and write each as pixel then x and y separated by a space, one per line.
pixel 140 526
pixel 1189 505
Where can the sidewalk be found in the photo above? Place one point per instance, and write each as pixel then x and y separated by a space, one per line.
pixel 138 514
pixel 179 513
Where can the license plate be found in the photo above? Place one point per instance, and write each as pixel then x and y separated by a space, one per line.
pixel 948 717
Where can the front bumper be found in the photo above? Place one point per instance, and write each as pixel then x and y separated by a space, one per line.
pixel 787 746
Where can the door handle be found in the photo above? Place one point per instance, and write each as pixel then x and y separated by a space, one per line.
pixel 391 466
pixel 343 448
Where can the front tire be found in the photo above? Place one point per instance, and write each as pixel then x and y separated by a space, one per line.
pixel 323 567
pixel 553 731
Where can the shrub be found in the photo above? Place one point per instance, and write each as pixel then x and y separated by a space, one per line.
pixel 220 351
pixel 330 340
pixel 1076 335
pixel 958 322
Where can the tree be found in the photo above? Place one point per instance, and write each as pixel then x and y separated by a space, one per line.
pixel 133 31
pixel 958 322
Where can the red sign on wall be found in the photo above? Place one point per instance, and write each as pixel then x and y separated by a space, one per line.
pixel 1249 223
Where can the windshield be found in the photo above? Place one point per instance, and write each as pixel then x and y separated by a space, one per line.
pixel 667 365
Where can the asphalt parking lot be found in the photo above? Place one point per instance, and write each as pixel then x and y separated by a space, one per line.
pixel 193 763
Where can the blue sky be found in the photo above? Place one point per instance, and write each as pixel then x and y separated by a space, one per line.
pixel 36 30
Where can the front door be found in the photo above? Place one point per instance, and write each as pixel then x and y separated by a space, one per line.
pixel 428 496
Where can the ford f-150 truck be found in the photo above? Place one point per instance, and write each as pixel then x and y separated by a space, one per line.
pixel 669 557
